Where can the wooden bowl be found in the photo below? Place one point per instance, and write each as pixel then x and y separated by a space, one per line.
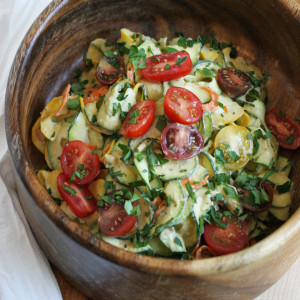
pixel 266 32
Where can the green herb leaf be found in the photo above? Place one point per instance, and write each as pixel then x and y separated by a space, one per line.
pixel 207 72
pixel 136 55
pixel 74 104
pixel 109 53
pixel 233 155
pixel 180 60
pixel 290 140
pixel 220 104
pixel 68 189
pixel 161 123
pixel 126 152
pixel 190 191
pixel 284 187
pixel 178 241
pixel 170 50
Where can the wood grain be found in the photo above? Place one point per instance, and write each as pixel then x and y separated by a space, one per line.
pixel 286 288
pixel 266 32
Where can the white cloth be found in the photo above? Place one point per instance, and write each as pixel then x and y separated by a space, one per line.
pixel 24 270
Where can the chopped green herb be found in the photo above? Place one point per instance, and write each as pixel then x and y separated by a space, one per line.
pixel 161 123
pixel 178 241
pixel 137 57
pixel 121 96
pixel 180 60
pixel 170 50
pixel 290 140
pixel 74 104
pixel 150 50
pixel 284 187
pixel 207 72
pixel 130 209
pixel 109 53
pixel 220 104
pixel 233 155
pixel 68 189
pixel 126 152
pixel 190 191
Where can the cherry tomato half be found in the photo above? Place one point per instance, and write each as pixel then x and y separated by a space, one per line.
pixel 181 141
pixel 237 148
pixel 139 119
pixel 267 187
pixel 284 128
pixel 182 106
pixel 228 240
pixel 233 82
pixel 166 67
pixel 79 198
pixel 78 160
pixel 114 220
pixel 110 69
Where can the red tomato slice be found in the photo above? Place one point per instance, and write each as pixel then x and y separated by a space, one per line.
pixel 139 119
pixel 284 128
pixel 233 82
pixel 181 141
pixel 182 106
pixel 78 160
pixel 114 220
pixel 80 199
pixel 110 69
pixel 166 67
pixel 224 241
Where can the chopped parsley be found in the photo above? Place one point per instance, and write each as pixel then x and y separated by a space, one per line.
pixel 180 60
pixel 284 187
pixel 109 54
pixel 290 140
pixel 170 50
pixel 69 190
pixel 178 241
pixel 137 57
pixel 126 152
pixel 207 72
pixel 190 191
pixel 74 104
pixel 161 123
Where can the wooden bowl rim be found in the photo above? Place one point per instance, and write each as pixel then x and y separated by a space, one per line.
pixel 200 268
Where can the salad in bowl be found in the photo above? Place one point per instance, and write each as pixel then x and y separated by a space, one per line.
pixel 163 147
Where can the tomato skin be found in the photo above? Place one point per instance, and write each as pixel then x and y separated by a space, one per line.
pixel 233 82
pixel 144 120
pixel 78 202
pixel 110 69
pixel 180 141
pixel 231 239
pixel 182 106
pixel 76 153
pixel 114 220
pixel 283 127
pixel 157 66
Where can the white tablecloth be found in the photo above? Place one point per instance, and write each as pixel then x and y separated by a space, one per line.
pixel 24 271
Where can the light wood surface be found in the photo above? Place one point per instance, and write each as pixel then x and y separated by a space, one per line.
pixel 287 287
